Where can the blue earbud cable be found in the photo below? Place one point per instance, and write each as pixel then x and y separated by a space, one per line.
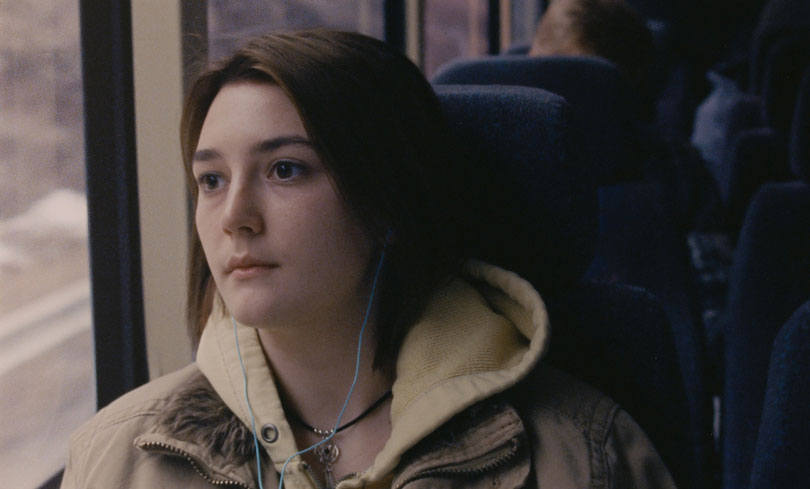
pixel 345 403
pixel 250 409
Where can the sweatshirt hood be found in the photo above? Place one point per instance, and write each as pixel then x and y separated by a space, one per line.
pixel 479 335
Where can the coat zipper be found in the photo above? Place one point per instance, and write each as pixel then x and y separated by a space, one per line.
pixel 317 480
pixel 494 460
pixel 194 463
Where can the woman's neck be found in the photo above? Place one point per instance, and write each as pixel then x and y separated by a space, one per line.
pixel 314 368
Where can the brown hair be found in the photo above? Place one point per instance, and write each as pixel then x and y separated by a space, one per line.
pixel 377 124
pixel 610 29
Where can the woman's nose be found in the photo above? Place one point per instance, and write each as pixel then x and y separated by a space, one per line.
pixel 242 214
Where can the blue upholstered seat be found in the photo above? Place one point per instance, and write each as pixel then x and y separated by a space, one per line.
pixel 770 278
pixel 799 144
pixel 783 443
pixel 538 217
pixel 779 19
pixel 605 108
pixel 640 244
pixel 628 212
pixel 756 148
pixel 517 143
pixel 619 339
pixel 760 154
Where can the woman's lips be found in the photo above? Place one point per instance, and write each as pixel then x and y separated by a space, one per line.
pixel 247 266
pixel 252 270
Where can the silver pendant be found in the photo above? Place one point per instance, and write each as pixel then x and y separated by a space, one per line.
pixel 328 453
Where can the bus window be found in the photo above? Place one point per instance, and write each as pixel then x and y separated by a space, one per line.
pixel 522 18
pixel 46 349
pixel 452 29
pixel 229 22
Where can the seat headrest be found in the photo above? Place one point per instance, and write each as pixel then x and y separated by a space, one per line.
pixel 517 49
pixel 606 108
pixel 800 131
pixel 537 209
pixel 778 19
pixel 785 63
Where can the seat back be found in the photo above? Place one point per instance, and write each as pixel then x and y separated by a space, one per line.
pixel 532 195
pixel 538 218
pixel 518 49
pixel 785 62
pixel 606 109
pixel 783 443
pixel 618 338
pixel 769 279
pixel 778 20
pixel 755 156
pixel 762 154
pixel 799 145
pixel 640 244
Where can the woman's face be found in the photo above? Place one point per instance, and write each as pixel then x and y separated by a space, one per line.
pixel 282 245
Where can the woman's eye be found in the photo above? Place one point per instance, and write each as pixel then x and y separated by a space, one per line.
pixel 286 170
pixel 209 181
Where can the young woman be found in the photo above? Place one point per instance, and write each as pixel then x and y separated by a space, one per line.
pixel 344 339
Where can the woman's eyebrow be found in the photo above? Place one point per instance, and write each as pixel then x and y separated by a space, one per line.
pixel 205 155
pixel 273 144
pixel 265 146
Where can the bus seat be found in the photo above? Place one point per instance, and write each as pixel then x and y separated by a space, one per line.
pixel 769 279
pixel 533 198
pixel 755 156
pixel 619 338
pixel 760 154
pixel 785 63
pixel 639 244
pixel 606 109
pixel 783 442
pixel 518 49
pixel 779 19
pixel 799 145
pixel 778 48
pixel 540 220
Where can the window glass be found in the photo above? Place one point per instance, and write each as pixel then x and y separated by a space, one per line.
pixel 453 28
pixel 231 22
pixel 46 360
pixel 523 15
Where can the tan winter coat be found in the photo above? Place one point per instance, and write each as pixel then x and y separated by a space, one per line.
pixel 471 407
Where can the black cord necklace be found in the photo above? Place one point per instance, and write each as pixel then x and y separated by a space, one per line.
pixel 329 452
pixel 325 433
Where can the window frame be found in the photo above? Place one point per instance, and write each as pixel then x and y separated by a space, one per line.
pixel 112 197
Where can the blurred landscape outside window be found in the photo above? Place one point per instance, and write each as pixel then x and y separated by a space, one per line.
pixel 453 29
pixel 523 18
pixel 230 23
pixel 47 385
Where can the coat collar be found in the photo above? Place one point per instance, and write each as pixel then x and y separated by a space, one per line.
pixel 485 441
pixel 197 426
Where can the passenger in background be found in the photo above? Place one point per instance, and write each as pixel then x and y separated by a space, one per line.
pixel 610 29
pixel 345 338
